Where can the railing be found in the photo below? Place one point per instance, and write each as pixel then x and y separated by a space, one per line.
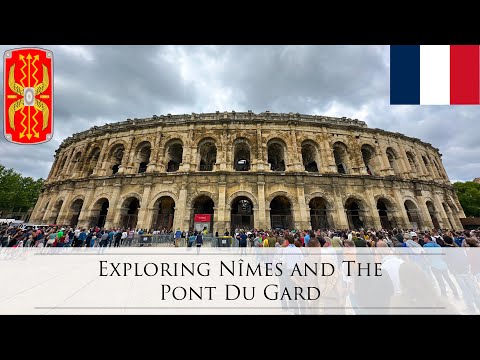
pixel 166 240
pixel 206 167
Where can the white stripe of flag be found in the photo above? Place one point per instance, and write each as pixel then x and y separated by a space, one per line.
pixel 435 74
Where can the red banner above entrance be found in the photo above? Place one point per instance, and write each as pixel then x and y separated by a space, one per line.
pixel 202 218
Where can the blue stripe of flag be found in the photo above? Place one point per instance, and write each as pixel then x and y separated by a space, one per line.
pixel 404 74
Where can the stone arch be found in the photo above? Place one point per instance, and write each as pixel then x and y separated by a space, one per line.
pixel 241 193
pixel 341 156
pixel 319 194
pixel 389 199
pixel 160 195
pixel 99 210
pixel 357 211
pixel 163 212
pixel 192 197
pixel 143 153
pixel 75 162
pixel 449 213
pixel 277 154
pixel 393 157
pixel 242 154
pixel 207 153
pixel 56 208
pixel 320 210
pixel 76 206
pixel 310 155
pixel 91 160
pixel 273 195
pixel 115 157
pixel 386 208
pixel 414 214
pixel 61 164
pixel 174 152
pixel 282 212
pixel 132 194
pixel 432 211
pixel 369 157
pixel 115 143
pixel 412 160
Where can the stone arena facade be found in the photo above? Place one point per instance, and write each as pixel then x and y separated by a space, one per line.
pixel 247 170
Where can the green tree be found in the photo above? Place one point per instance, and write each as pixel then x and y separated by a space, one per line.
pixel 17 191
pixel 469 196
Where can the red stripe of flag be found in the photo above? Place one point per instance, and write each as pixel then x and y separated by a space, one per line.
pixel 464 74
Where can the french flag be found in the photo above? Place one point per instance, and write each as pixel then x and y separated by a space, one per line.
pixel 435 74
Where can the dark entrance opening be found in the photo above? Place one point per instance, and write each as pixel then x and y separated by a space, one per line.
pixel 242 214
pixel 318 214
pixel 103 214
pixel 281 213
pixel 353 214
pixel 163 219
pixel 129 219
pixel 383 214
pixel 203 205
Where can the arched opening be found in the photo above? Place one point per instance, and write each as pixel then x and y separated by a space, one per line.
pixel 92 160
pixel 276 155
pixel 202 214
pixel 241 214
pixel 164 214
pixel 433 214
pixel 281 213
pixel 129 213
pixel 62 165
pixel 143 156
pixel 75 162
pixel 174 155
pixel 385 213
pixel 368 156
pixel 448 212
pixel 101 210
pixel 75 210
pixel 115 158
pixel 241 155
pixel 392 160
pixel 56 212
pixel 425 161
pixel 354 214
pixel 439 172
pixel 318 213
pixel 412 161
pixel 413 214
pixel 310 157
pixel 340 155
pixel 208 155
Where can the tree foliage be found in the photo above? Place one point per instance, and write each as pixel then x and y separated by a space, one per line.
pixel 17 191
pixel 469 195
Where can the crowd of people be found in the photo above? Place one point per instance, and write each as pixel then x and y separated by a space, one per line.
pixel 16 236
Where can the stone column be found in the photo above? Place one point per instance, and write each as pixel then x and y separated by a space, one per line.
pixel 262 215
pixel 426 218
pixel 444 218
pixel 100 165
pixel 64 211
pixel 221 215
pixel 114 209
pixel 86 214
pixel 144 221
pixel 402 212
pixel 374 216
pixel 262 164
pixel 303 215
pixel 180 220
pixel 405 164
pixel 293 156
pixel 222 154
pixel 341 220
pixel 386 169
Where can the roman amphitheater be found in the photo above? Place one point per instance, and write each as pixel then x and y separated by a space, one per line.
pixel 247 170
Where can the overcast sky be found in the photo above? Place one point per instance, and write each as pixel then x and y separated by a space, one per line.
pixel 95 85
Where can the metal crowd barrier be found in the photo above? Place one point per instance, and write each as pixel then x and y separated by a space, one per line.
pixel 169 240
